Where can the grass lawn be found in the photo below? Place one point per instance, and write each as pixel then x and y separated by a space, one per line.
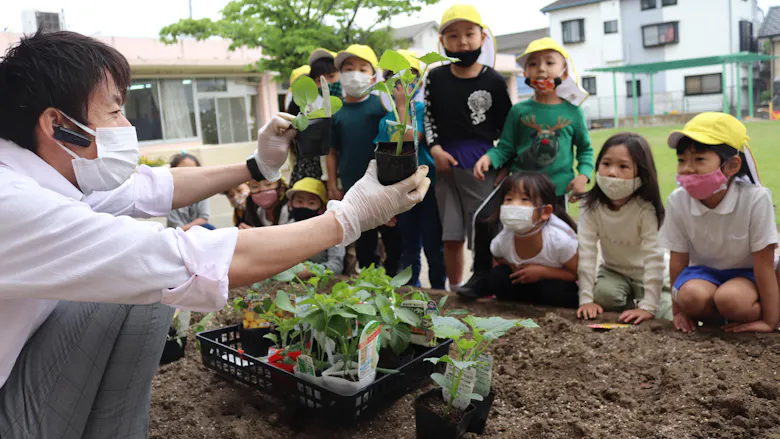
pixel 764 142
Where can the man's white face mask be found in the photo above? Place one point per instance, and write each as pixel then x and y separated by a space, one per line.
pixel 117 158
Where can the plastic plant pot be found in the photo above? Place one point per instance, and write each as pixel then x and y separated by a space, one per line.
pixel 481 413
pixel 392 168
pixel 275 360
pixel 254 342
pixel 172 351
pixel 314 141
pixel 431 425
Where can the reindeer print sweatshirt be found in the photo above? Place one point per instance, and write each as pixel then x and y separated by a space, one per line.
pixel 540 137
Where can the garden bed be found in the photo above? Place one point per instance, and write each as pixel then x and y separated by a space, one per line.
pixel 562 380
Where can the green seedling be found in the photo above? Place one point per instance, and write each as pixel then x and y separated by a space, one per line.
pixel 305 94
pixel 410 82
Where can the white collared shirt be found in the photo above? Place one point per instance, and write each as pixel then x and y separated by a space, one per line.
pixel 58 244
pixel 724 237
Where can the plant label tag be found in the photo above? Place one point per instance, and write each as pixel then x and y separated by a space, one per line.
pixel 608 326
pixel 467 382
pixel 422 336
pixel 368 349
pixel 306 365
pixel 484 375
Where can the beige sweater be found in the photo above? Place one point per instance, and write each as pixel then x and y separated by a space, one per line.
pixel 629 246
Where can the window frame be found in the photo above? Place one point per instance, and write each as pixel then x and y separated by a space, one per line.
pixel 665 3
pixel 617 28
pixel 630 91
pixel 675 24
pixel 582 30
pixel 595 85
pixel 643 5
pixel 701 84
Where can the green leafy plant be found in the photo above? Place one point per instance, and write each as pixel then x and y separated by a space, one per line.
pixel 159 161
pixel 484 331
pixel 410 82
pixel 305 94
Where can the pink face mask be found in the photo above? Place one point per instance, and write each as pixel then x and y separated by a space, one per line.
pixel 702 186
pixel 265 199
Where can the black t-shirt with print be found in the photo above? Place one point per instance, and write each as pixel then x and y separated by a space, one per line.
pixel 458 108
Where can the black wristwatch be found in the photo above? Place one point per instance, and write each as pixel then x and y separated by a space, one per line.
pixel 254 170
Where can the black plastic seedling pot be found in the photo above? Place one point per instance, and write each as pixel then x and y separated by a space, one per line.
pixel 481 413
pixel 172 351
pixel 254 342
pixel 392 168
pixel 314 141
pixel 432 426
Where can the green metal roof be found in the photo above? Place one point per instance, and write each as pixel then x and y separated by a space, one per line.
pixel 742 58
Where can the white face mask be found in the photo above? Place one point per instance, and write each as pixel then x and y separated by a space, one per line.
pixel 117 158
pixel 518 219
pixel 618 188
pixel 355 83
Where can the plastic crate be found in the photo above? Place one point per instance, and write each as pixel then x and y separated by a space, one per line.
pixel 219 349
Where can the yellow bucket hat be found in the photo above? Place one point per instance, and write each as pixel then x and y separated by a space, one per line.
pixel 458 13
pixel 570 88
pixel 319 54
pixel 411 57
pixel 310 185
pixel 713 128
pixel 297 73
pixel 359 51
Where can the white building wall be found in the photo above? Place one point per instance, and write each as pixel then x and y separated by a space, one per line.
pixel 426 41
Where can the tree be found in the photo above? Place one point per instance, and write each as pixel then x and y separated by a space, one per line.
pixel 288 30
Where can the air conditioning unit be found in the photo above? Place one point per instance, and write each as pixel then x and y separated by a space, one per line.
pixel 33 21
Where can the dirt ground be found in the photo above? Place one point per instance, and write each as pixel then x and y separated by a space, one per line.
pixel 562 380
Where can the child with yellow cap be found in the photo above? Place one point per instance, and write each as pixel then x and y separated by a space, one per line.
pixel 720 228
pixel 355 127
pixel 308 199
pixel 466 104
pixel 420 228
pixel 541 132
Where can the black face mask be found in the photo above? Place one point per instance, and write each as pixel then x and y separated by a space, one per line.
pixel 467 59
pixel 302 213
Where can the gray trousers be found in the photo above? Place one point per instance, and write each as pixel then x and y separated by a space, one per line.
pixel 86 373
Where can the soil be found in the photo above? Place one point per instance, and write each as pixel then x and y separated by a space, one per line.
pixel 562 380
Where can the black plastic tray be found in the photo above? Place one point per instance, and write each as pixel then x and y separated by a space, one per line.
pixel 219 349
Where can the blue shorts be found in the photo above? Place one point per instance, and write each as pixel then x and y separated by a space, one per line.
pixel 711 275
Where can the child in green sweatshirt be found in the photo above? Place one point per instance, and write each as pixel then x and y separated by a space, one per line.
pixel 540 134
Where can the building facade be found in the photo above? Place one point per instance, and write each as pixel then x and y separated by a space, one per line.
pixel 609 33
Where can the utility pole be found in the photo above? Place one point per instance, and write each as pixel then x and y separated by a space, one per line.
pixel 190 9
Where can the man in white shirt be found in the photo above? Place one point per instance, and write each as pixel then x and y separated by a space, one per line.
pixel 85 289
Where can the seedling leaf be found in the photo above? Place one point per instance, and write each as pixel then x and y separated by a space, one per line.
pixel 441 380
pixel 394 61
pixel 283 302
pixel 434 57
pixel 408 316
pixel 363 308
pixel 304 91
pixel 451 322
pixel 475 396
pixel 300 122
pixel 318 114
pixel 402 278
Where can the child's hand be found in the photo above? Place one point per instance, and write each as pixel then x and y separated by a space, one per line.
pixel 334 193
pixel 577 188
pixel 589 311
pixel 527 274
pixel 757 326
pixel 305 274
pixel 399 95
pixel 482 166
pixel 244 226
pixel 393 222
pixel 684 323
pixel 443 160
pixel 638 315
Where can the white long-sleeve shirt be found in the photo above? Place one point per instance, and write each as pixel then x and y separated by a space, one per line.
pixel 56 244
pixel 629 246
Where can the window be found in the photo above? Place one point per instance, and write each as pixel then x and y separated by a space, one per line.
pixel 746 42
pixel 660 34
pixel 704 84
pixel 48 21
pixel 630 90
pixel 668 2
pixel 589 84
pixel 224 120
pixel 212 84
pixel 573 31
pixel 161 109
pixel 649 4
pixel 611 27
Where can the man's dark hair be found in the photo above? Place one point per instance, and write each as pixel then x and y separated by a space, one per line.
pixel 53 69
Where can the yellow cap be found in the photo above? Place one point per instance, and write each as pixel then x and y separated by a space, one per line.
pixel 460 13
pixel 713 129
pixel 539 45
pixel 360 51
pixel 297 73
pixel 319 54
pixel 310 185
pixel 411 57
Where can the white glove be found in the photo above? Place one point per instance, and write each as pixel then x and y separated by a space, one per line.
pixel 368 204
pixel 273 143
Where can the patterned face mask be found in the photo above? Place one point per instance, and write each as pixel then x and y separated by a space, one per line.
pixel 545 85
